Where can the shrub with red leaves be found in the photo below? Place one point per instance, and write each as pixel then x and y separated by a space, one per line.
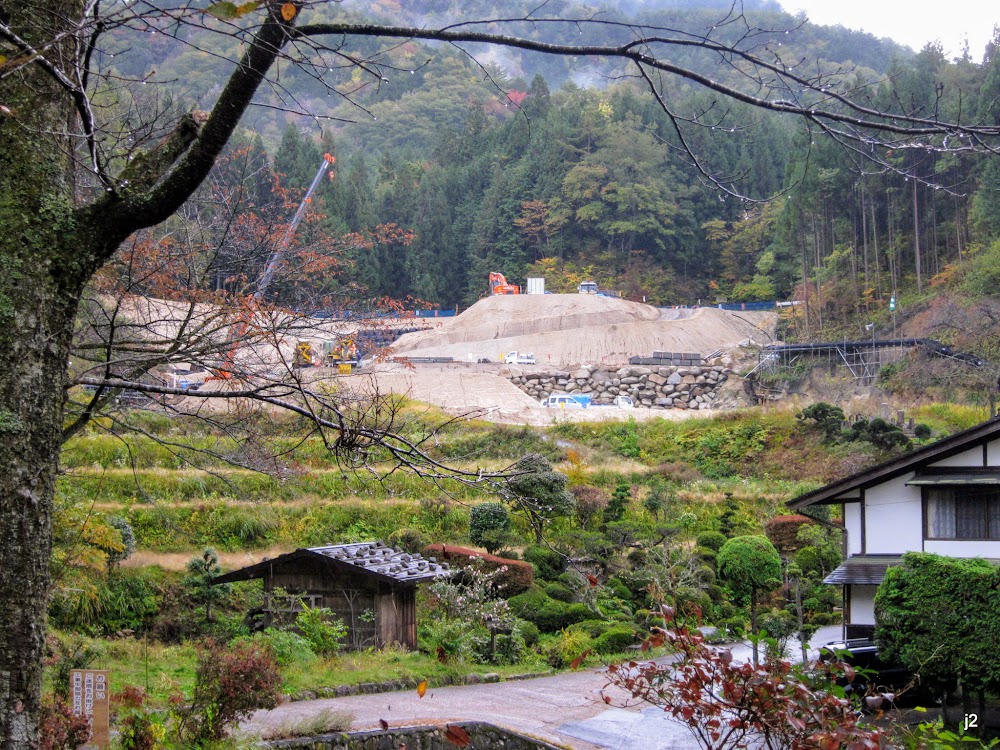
pixel 230 684
pixel 730 705
pixel 783 532
pixel 517 577
pixel 59 729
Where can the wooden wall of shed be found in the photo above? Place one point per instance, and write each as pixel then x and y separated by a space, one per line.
pixel 398 616
pixel 375 612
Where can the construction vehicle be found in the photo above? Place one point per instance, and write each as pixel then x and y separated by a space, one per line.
pixel 499 285
pixel 341 352
pixel 245 322
pixel 587 287
pixel 304 355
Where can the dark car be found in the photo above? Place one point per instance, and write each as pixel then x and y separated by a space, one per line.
pixel 862 654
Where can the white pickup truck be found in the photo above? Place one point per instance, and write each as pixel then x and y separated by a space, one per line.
pixel 519 358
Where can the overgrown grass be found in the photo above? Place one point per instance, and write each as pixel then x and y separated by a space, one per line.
pixel 946 419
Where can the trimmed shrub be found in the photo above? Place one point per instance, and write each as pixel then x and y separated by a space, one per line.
pixel 559 591
pixel 529 632
pixel 548 563
pixel 517 577
pixel 489 526
pixel 614 640
pixel 550 615
pixel 712 540
pixel 783 532
pixel 593 628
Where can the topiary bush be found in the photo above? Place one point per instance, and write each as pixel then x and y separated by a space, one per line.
pixel 548 563
pixel 712 540
pixel 489 526
pixel 614 640
pixel 559 591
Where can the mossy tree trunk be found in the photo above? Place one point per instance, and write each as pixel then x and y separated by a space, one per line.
pixel 51 243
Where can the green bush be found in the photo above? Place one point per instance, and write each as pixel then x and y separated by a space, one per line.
pixel 324 632
pixel 614 640
pixel 548 563
pixel 593 628
pixel 529 632
pixel 565 648
pixel 489 526
pixel 559 591
pixel 921 431
pixel 712 540
pixel 620 589
pixel 550 615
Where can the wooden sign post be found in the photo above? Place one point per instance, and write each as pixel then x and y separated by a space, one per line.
pixel 89 692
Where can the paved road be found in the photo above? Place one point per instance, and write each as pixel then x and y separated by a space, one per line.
pixel 566 709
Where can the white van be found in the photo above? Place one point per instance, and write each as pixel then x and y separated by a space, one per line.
pixel 562 401
pixel 519 358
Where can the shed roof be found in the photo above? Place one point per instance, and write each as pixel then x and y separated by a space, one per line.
pixel 913 461
pixel 376 559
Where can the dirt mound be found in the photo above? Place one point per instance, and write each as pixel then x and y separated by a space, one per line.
pixel 566 329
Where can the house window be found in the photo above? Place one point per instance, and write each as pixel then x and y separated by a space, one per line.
pixel 963 513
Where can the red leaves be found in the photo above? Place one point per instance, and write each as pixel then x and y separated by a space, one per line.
pixel 441 654
pixel 457 736
pixel 579 660
pixel 735 704
pixel 592 580
pixel 384 724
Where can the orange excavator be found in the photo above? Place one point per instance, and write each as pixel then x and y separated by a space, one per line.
pixel 499 285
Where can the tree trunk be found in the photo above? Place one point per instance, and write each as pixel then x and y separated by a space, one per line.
pixel 36 314
pixel 39 290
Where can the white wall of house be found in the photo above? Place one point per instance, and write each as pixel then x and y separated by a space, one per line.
pixel 862 605
pixel 893 517
pixel 963 548
pixel 971 457
pixel 993 453
pixel 852 522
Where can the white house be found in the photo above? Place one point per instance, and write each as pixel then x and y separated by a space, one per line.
pixel 942 498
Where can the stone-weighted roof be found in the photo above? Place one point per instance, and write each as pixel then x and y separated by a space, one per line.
pixel 373 558
pixel 381 558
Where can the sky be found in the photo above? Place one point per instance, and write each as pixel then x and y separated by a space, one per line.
pixel 910 22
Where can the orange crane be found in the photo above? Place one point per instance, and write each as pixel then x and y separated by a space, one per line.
pixel 240 329
pixel 499 285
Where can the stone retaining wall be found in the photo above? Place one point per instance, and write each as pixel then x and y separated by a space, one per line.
pixel 654 387
pixel 482 737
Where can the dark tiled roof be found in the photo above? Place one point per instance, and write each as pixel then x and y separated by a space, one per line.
pixel 373 558
pixel 863 569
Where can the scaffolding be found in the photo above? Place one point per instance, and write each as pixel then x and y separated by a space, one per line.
pixel 862 360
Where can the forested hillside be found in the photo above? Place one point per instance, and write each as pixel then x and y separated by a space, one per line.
pixel 544 166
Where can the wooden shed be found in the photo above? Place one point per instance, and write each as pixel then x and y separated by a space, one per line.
pixel 369 585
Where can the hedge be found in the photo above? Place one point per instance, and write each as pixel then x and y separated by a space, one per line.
pixel 517 577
